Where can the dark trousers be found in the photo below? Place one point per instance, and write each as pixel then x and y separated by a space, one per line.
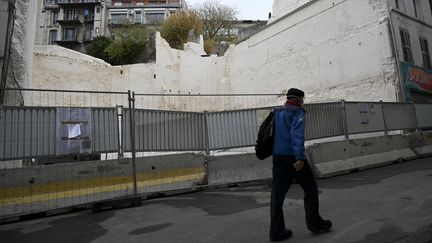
pixel 283 175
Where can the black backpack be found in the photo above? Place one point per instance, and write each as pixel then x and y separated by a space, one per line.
pixel 264 143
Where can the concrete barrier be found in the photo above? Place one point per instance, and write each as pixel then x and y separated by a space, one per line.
pixel 421 143
pixel 47 187
pixel 336 158
pixel 237 168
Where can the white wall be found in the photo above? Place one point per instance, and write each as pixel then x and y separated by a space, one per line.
pixel 30 33
pixel 332 49
pixel 282 7
pixel 341 53
pixel 20 64
pixel 175 72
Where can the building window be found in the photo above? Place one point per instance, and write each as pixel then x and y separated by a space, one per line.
pixel 415 8
pixel 119 18
pixel 53 18
pixel 406 46
pixel 88 14
pixel 52 37
pixel 71 14
pixel 152 18
pixel 70 34
pixel 137 17
pixel 425 52
pixel 397 3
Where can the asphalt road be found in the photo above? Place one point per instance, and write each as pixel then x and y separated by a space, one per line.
pixel 387 204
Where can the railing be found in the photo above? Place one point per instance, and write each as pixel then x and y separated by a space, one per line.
pixel 41 127
pixel 51 2
pixel 78 1
pixel 180 122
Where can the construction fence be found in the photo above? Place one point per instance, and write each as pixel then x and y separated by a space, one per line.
pixel 52 142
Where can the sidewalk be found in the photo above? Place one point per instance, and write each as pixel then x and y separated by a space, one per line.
pixel 388 204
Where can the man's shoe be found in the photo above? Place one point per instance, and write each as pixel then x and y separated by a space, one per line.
pixel 323 227
pixel 285 235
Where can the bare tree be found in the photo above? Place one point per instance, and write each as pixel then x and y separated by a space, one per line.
pixel 217 18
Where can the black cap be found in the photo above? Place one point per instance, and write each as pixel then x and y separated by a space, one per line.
pixel 295 93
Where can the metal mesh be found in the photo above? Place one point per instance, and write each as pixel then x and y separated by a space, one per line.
pixel 232 129
pixel 206 102
pixel 29 134
pixel 424 115
pixel 168 131
pixel 399 116
pixel 323 120
pixel 364 117
pixel 51 144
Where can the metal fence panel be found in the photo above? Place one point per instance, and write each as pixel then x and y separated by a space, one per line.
pixel 166 131
pixel 105 130
pixel 424 115
pixel 323 120
pixel 364 117
pixel 232 129
pixel 399 116
pixel 27 132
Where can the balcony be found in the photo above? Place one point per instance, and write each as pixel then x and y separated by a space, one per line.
pixel 147 5
pixel 51 4
pixel 68 42
pixel 73 3
pixel 69 21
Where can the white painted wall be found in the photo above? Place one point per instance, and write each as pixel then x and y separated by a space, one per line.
pixel 20 63
pixel 282 7
pixel 175 72
pixel 340 53
pixel 29 38
pixel 62 68
pixel 333 50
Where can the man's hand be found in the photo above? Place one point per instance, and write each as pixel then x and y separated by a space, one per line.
pixel 299 165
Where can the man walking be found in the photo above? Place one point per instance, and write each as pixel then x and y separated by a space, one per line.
pixel 289 162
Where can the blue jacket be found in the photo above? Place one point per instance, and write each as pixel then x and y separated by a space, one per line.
pixel 289 132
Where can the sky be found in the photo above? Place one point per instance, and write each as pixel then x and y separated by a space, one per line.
pixel 248 9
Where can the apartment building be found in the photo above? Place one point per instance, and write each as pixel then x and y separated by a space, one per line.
pixel 148 12
pixel 74 23
pixel 70 23
pixel 411 23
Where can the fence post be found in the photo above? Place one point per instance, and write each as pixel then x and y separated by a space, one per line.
pixel 415 116
pixel 345 119
pixel 120 131
pixel 384 118
pixel 206 148
pixel 206 134
pixel 132 136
